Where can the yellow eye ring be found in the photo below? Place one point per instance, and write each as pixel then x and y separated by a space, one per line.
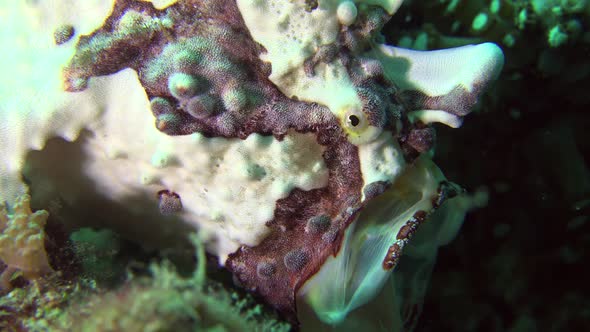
pixel 355 121
pixel 356 126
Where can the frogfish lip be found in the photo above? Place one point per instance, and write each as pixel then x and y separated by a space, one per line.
pixel 373 243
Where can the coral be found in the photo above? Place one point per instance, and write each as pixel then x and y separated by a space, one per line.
pixel 162 300
pixel 275 129
pixel 168 302
pixel 22 242
pixel 40 306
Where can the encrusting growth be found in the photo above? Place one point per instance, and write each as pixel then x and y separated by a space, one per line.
pixel 22 242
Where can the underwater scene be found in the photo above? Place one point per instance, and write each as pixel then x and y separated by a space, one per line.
pixel 294 165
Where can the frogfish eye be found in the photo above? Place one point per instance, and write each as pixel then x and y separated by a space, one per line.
pixel 354 120
pixel 356 125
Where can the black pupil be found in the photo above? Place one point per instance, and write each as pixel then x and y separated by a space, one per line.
pixel 354 120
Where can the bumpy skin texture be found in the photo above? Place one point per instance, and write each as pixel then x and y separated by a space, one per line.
pixel 210 43
pixel 202 71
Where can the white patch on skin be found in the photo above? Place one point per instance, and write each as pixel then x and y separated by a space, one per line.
pixel 228 187
pixel 436 73
pixel 161 4
pixel 33 105
pixel 291 34
pixel 346 12
pixel 430 116
pixel 390 6
pixel 381 160
pixel 283 28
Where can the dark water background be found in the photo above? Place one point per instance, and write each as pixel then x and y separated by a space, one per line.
pixel 518 264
